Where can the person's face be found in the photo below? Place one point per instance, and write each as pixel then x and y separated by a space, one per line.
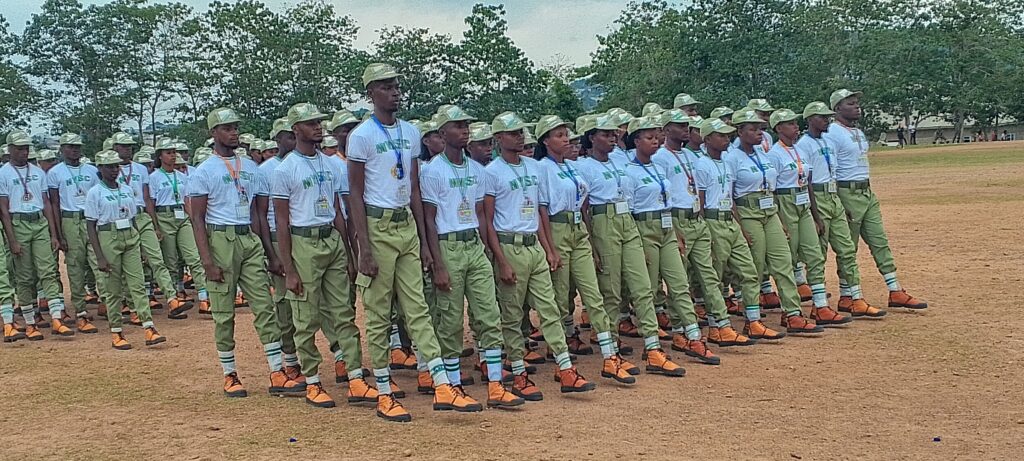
pixel 603 141
pixel 186 155
pixel 557 141
pixel 621 134
pixel 271 153
pixel 225 135
pixel 285 141
pixel 256 155
pixel 694 136
pixel 71 151
pixel 19 154
pixel 109 172
pixel 788 129
pixel 308 131
pixel 647 142
pixel 764 115
pixel 341 134
pixel 385 94
pixel 849 108
pixel 47 164
pixel 749 133
pixel 480 149
pixel 574 149
pixel 690 110
pixel 331 150
pixel 528 150
pixel 507 141
pixel 455 134
pixel 680 131
pixel 434 142
pixel 124 152
pixel 167 158
pixel 717 141
pixel 819 122
pixel 727 119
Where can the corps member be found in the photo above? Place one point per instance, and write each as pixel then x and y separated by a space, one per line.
pixel 115 250
pixel 221 191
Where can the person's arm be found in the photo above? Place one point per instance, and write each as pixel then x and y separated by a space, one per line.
pixel 58 223
pixel 261 203
pixel 48 214
pixel 341 224
pixel 546 242
pixel 703 200
pixel 417 213
pixel 151 211
pixel 440 272
pixel 5 216
pixel 588 220
pixel 282 212
pixel 818 224
pixel 481 223
pixel 94 239
pixel 506 274
pixel 213 273
pixel 357 185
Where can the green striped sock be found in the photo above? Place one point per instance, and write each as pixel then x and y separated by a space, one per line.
pixel 492 357
pixel 564 362
pixel 227 359
pixel 273 353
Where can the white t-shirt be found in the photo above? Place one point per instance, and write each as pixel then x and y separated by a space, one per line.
pixel 516 192
pixel 647 187
pixel 310 184
pixel 754 173
pixel 265 172
pixel 561 187
pixel 715 178
pixel 455 190
pixel 603 178
pixel 162 186
pixel 135 176
pixel 73 183
pixel 27 197
pixel 678 166
pixel 820 154
pixel 343 167
pixel 621 156
pixel 766 141
pixel 793 170
pixel 851 152
pixel 105 205
pixel 376 145
pixel 229 201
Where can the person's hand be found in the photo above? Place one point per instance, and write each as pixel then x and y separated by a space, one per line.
pixel 367 265
pixel 554 261
pixel 64 245
pixel 441 279
pixel 506 274
pixel 103 265
pixel 54 244
pixel 820 226
pixel 597 262
pixel 274 266
pixel 213 273
pixel 426 259
pixel 293 282
pixel 159 235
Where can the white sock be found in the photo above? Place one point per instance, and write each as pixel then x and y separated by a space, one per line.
pixel 356 373
pixel 563 360
pixel 800 275
pixel 118 330
pixel 605 341
pixel 657 309
pixel 227 359
pixel 396 339
pixel 753 313
pixel 844 288
pixel 518 367
pixel 291 360
pixel 339 356
pixel 692 332
pixel 273 353
pixel 56 307
pixel 651 343
pixel 855 292
pixel 40 294
pixel 818 295
pixel 148 324
pixel 29 314
pixel 383 378
pixel 766 287
pixel 567 325
pixel 315 379
pixel 453 370
pixel 725 323
pixel 437 372
pixel 492 358
pixel 7 313
pixel 892 282
pixel 203 295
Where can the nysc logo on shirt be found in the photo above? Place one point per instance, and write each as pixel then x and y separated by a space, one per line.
pixel 523 182
pixel 391 145
pixel 121 178
pixel 316 179
pixel 648 180
pixel 28 178
pixel 76 179
pixel 609 175
pixel 115 197
pixel 791 166
pixel 458 183
pixel 243 175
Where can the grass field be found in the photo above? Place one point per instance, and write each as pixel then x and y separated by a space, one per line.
pixel 938 384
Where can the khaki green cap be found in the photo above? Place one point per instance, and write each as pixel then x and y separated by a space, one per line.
pixel 122 138
pixel 341 117
pixel 107 157
pixel 242 153
pixel 208 143
pixel 427 127
pixel 548 123
pixel 528 139
pixel 696 122
pixel 714 125
pixel 87 160
pixel 574 135
pixel 816 108
pixel 246 138
pixel 179 160
pixel 651 109
pixel 443 107
pixel 328 141
pixel 222 116
pixel 479 132
pixel 585 123
pixel 46 154
pixel 620 116
pixel 378 71
pixel 165 144
pixel 839 95
pixel 304 112
pixel 452 114
pixel 202 153
pixel 19 138
pixel 70 139
pixel 676 116
pixel 108 144
pixel 270 145
pixel 181 147
pixel 683 99
pixel 760 104
pixel 507 121
pixel 781 115
pixel 280 125
pixel 257 144
pixel 33 154
pixel 746 116
pixel 644 123
pixel 606 123
pixel 720 112
pixel 144 155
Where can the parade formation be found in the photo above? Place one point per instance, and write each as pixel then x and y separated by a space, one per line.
pixel 664 226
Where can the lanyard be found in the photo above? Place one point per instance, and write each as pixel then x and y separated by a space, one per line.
pixel 687 167
pixel 526 173
pixel 795 156
pixel 614 171
pixel 173 178
pixel 721 174
pixel 461 182
pixel 74 177
pixel 764 142
pixel 856 135
pixel 764 174
pixel 117 196
pixel 399 169
pixel 319 174
pixel 661 182
pixel 24 181
pixel 565 168
pixel 128 177
pixel 825 153
pixel 234 172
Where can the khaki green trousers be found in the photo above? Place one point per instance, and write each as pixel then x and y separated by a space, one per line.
pixel 770 249
pixel 865 215
pixel 623 269
pixel 396 248
pixel 6 287
pixel 76 259
pixel 472 281
pixel 700 263
pixel 665 263
pixel 804 244
pixel 180 240
pixel 572 241
pixel 533 286
pixel 732 252
pixel 241 259
pixel 322 264
pixel 154 255
pixel 837 234
pixel 35 263
pixel 123 251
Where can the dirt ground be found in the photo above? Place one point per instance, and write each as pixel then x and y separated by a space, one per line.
pixel 939 384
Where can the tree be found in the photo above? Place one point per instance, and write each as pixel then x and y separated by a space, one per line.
pixel 17 96
pixel 426 62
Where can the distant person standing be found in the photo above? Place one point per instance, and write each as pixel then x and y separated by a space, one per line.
pixel 901 137
pixel 912 129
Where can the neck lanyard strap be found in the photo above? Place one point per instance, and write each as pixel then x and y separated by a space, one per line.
pixel 173 178
pixel 795 156
pixel 760 166
pixel 234 172
pixel 565 168
pixel 24 180
pixel 654 176
pixel 399 168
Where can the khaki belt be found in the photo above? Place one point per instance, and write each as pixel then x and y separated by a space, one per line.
pixel 517 239
pixel 684 213
pixel 397 214
pixel 166 208
pixel 323 231
pixel 565 217
pixel 237 229
pixel 34 216
pixel 855 185
pixel 790 190
pixel 72 214
pixel 468 235
pixel 718 215
pixel 113 226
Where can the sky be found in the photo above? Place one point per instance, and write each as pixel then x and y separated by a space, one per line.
pixel 542 29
